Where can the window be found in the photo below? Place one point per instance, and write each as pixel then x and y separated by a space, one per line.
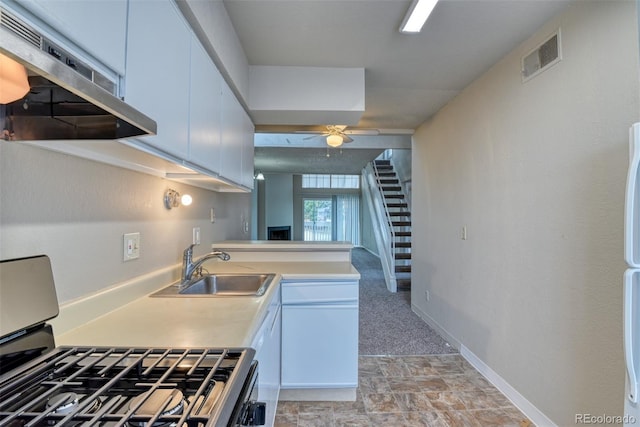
pixel 330 181
pixel 332 218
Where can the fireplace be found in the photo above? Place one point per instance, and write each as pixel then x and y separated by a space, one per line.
pixel 279 233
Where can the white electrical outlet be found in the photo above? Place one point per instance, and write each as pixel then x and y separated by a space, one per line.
pixel 464 233
pixel 196 235
pixel 131 246
pixel 213 216
pixel 427 295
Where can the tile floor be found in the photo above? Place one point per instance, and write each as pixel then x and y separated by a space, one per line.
pixel 434 391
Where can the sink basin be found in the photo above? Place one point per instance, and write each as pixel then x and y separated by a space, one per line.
pixel 219 285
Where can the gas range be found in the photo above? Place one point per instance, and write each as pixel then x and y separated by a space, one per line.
pixel 105 386
pixel 44 385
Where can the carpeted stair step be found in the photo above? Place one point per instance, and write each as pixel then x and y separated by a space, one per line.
pixel 402 244
pixel 402 255
pixel 399 213
pixel 387 181
pixel 401 223
pixel 403 284
pixel 384 167
pixel 382 162
pixel 402 233
pixel 394 196
pixel 382 173
pixel 391 188
pixel 403 269
pixel 397 205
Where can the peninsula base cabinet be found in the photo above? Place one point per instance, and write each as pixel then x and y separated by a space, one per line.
pixel 319 335
pixel 267 344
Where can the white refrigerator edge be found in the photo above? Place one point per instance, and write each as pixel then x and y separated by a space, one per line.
pixel 631 282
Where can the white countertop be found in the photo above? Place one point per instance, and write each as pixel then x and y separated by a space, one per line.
pixel 199 322
pixel 282 245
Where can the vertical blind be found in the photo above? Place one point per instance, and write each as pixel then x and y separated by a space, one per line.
pixel 347 218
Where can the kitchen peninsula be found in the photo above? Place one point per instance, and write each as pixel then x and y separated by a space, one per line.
pixel 314 295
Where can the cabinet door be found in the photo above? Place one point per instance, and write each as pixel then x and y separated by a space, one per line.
pixel 205 113
pixel 231 136
pixel 247 151
pixel 267 345
pixel 157 77
pixel 320 346
pixel 97 26
pixel 269 371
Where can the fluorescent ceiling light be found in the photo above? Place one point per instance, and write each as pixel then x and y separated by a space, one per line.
pixel 417 15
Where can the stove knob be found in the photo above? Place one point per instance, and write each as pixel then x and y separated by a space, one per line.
pixel 257 413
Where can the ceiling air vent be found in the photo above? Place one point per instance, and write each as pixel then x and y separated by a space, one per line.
pixel 542 57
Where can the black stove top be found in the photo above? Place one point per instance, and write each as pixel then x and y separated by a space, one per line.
pixel 105 386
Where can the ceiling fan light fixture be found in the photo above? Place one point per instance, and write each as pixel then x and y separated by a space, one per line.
pixel 334 140
pixel 417 15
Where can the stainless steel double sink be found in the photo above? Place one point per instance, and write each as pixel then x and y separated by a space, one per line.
pixel 220 285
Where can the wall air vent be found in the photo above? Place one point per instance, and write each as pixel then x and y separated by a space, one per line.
pixel 542 57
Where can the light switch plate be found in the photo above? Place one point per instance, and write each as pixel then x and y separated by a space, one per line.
pixel 196 235
pixel 131 247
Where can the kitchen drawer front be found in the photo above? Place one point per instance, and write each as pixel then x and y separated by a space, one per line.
pixel 302 292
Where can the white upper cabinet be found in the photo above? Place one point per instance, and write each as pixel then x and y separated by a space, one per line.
pixel 168 76
pixel 231 137
pixel 97 26
pixel 205 110
pixel 248 131
pixel 158 71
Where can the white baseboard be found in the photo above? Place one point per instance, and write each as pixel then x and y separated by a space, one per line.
pixel 437 327
pixel 526 407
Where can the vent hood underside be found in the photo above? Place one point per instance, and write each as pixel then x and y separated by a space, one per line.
pixel 49 112
pixel 65 100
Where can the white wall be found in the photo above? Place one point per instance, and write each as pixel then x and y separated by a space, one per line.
pixel 536 172
pixel 76 211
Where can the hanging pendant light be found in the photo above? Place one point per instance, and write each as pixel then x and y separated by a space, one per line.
pixel 13 80
pixel 334 140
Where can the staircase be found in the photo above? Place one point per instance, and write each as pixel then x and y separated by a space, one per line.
pixel 399 219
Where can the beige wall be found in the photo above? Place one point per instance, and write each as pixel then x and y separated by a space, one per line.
pixel 76 211
pixel 536 172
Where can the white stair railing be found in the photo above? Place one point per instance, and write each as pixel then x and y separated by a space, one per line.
pixel 382 229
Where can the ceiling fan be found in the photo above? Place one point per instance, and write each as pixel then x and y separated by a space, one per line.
pixel 337 134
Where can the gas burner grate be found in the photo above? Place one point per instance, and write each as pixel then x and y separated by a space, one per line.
pixel 122 387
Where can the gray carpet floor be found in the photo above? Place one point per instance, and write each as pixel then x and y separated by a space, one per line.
pixel 387 324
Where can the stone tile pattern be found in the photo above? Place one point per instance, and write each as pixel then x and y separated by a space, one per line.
pixel 430 390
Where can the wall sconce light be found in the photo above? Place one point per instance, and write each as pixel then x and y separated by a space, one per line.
pixel 173 199
pixel 13 80
pixel 334 140
pixel 259 176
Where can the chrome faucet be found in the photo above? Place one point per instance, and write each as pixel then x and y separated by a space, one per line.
pixel 189 267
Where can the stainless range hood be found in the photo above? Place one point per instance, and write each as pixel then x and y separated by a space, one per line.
pixel 68 98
